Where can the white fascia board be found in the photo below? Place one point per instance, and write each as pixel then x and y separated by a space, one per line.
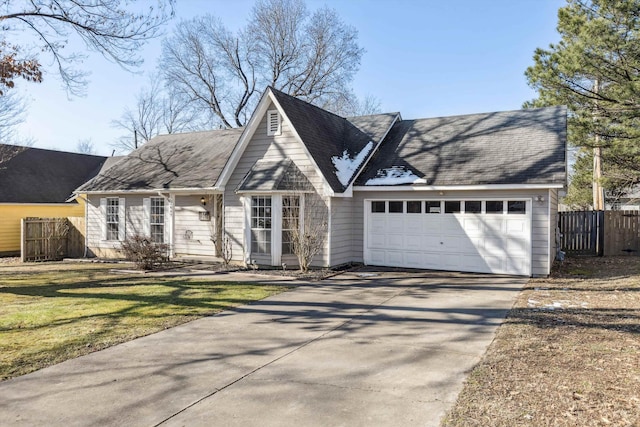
pixel 266 192
pixel 326 187
pixel 364 164
pixel 348 192
pixel 457 187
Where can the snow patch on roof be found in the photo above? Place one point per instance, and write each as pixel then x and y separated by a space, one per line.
pixel 395 175
pixel 346 166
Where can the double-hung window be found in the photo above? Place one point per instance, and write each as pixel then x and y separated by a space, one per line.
pixel 112 218
pixel 156 218
pixel 261 224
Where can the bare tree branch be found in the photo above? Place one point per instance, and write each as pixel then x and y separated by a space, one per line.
pixel 117 29
pixel 313 57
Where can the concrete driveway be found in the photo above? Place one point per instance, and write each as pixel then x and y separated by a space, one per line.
pixel 381 348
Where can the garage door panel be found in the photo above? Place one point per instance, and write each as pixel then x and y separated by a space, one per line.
pixel 414 242
pixel 395 224
pixel 377 240
pixel 395 241
pixel 475 263
pixel 473 227
pixel 516 226
pixel 414 259
pixel 413 224
pixel 479 242
pixel 377 257
pixel 378 224
pixel 394 258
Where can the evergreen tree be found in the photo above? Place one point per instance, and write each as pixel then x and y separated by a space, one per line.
pixel 594 70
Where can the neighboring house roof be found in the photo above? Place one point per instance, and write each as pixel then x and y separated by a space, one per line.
pixel 328 136
pixel 511 147
pixel 175 161
pixel 34 175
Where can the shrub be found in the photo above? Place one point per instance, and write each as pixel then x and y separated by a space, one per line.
pixel 145 253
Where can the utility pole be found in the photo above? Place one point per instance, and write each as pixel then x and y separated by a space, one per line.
pixel 598 191
pixel 135 138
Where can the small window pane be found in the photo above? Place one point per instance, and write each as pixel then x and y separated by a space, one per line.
pixel 414 207
pixel 516 207
pixel 433 207
pixel 494 206
pixel 452 206
pixel 473 206
pixel 377 207
pixel 395 207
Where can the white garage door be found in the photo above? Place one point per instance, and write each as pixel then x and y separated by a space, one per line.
pixel 483 236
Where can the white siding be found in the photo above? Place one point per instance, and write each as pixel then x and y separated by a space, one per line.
pixel 262 146
pixel 134 223
pixel 192 236
pixel 540 221
pixel 342 223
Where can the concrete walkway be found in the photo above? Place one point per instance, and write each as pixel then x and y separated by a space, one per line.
pixel 387 349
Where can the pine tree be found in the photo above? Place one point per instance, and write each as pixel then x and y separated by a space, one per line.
pixel 594 70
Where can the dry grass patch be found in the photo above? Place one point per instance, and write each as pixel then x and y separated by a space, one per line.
pixel 51 312
pixel 567 355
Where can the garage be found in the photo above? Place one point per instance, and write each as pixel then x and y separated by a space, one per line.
pixel 480 235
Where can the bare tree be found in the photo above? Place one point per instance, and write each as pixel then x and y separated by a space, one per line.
pixel 310 56
pixel 309 230
pixel 85 146
pixel 115 28
pixel 157 111
pixel 12 113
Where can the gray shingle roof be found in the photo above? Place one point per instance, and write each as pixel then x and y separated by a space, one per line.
pixel 34 175
pixel 511 147
pixel 326 135
pixel 184 160
pixel 275 175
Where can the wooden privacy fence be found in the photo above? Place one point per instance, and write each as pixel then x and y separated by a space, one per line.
pixel 581 232
pixel 622 233
pixel 51 239
pixel 600 233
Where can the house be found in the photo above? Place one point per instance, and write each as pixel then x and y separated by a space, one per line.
pixel 38 183
pixel 475 193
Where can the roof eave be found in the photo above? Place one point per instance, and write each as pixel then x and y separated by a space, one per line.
pixel 469 187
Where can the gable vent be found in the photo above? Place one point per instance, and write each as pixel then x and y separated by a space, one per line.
pixel 273 123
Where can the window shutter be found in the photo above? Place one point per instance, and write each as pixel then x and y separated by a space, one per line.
pixel 103 218
pixel 122 234
pixel 273 123
pixel 146 216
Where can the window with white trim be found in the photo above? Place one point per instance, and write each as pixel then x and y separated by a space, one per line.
pixel 112 218
pixel 290 222
pixel 261 224
pixel 156 219
pixel 274 124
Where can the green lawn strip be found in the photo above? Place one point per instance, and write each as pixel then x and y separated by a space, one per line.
pixel 50 315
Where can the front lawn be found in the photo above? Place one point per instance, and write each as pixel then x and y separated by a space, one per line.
pixel 52 312
pixel 568 353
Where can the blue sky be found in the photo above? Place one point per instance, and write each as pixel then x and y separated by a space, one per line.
pixel 424 58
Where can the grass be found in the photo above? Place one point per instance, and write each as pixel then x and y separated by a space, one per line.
pixel 56 311
pixel 567 355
